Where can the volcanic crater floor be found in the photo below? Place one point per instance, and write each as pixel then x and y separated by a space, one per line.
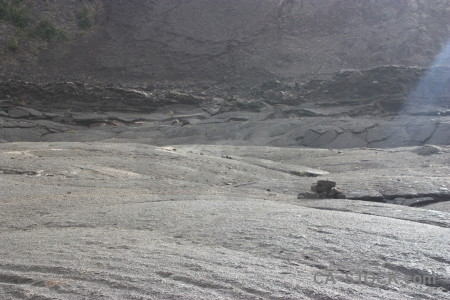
pixel 111 220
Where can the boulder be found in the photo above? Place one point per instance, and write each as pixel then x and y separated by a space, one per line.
pixel 428 150
pixel 323 189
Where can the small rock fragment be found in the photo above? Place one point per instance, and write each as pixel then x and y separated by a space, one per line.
pixel 428 150
pixel 323 189
pixel 324 185
pixel 180 122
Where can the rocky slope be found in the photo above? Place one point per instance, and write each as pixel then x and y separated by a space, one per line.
pixel 243 41
pixel 382 107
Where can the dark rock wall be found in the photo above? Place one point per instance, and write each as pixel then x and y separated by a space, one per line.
pixel 242 40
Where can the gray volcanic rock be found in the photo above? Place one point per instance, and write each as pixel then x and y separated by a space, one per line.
pixel 348 111
pixel 311 132
pixel 428 150
pixel 129 221
pixel 323 189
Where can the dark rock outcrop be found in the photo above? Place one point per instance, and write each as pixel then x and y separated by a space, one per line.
pixel 387 106
pixel 74 96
